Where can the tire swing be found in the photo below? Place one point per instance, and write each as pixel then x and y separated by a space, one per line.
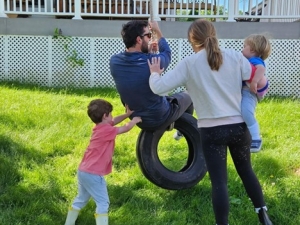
pixel 154 170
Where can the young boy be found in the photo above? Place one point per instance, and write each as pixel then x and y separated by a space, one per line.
pixel 256 48
pixel 97 160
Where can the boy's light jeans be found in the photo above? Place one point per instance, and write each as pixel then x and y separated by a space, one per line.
pixel 249 102
pixel 91 185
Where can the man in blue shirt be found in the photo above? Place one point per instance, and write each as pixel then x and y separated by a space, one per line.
pixel 131 74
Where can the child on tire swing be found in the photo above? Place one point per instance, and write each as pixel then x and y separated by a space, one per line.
pixel 97 160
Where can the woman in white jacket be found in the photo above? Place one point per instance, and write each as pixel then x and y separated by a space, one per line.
pixel 213 78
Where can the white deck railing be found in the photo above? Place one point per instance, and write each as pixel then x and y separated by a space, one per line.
pixel 217 10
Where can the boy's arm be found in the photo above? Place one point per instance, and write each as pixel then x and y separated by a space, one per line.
pixel 258 75
pixel 128 126
pixel 119 119
pixel 122 117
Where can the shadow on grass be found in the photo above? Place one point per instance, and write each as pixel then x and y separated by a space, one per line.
pixel 193 206
pixel 282 196
pixel 88 92
pixel 136 198
pixel 22 202
pixel 278 195
pixel 133 203
pixel 18 124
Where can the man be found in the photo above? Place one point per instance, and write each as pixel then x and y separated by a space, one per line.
pixel 131 74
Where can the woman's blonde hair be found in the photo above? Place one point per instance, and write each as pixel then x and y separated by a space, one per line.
pixel 260 44
pixel 203 33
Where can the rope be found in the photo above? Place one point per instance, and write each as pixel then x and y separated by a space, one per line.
pixel 153 38
pixel 151 10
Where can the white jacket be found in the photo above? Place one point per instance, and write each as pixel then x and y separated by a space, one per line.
pixel 216 95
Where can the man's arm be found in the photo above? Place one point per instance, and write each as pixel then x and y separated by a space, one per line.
pixel 163 46
pixel 155 30
pixel 164 54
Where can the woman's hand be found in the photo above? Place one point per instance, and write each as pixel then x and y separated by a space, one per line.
pixel 154 65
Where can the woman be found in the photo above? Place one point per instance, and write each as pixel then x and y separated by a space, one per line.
pixel 213 78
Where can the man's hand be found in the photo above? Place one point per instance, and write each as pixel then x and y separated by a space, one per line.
pixel 155 29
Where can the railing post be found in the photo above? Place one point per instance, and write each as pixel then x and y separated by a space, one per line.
pixel 77 15
pixel 154 10
pixel 231 9
pixel 2 14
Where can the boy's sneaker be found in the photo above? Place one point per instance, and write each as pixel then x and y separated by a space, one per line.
pixel 177 136
pixel 255 146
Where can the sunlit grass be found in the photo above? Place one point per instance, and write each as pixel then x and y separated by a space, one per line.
pixel 44 132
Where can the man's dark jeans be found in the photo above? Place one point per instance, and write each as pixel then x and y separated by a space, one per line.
pixel 179 103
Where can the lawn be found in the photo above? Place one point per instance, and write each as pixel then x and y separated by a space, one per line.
pixel 44 132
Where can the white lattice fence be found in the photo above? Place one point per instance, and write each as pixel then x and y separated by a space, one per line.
pixel 3 57
pixel 42 60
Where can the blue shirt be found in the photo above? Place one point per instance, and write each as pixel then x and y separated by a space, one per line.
pixel 131 73
pixel 256 61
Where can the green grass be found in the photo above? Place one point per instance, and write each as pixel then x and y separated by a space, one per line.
pixel 44 132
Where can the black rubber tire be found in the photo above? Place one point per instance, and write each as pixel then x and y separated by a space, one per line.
pixel 156 172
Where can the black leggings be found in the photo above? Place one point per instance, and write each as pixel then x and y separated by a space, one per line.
pixel 215 141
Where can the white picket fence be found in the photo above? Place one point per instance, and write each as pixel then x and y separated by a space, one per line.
pixel 229 10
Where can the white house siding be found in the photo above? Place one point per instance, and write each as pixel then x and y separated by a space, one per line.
pixel 281 8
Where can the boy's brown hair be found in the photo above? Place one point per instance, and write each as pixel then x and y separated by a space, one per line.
pixel 98 108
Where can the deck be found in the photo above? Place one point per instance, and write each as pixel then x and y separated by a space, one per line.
pixel 179 10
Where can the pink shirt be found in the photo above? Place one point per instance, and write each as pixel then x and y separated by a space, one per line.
pixel 97 158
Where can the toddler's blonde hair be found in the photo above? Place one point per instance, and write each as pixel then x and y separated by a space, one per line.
pixel 260 44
